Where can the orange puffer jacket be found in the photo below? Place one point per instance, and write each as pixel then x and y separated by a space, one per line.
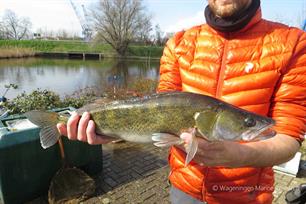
pixel 262 69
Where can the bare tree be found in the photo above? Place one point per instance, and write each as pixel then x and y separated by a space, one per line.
pixel 15 27
pixel 118 22
pixel 2 31
pixel 160 37
pixel 143 35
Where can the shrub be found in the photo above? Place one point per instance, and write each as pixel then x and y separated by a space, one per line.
pixel 143 86
pixel 46 99
pixel 80 98
pixel 37 100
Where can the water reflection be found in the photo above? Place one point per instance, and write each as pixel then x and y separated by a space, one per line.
pixel 66 76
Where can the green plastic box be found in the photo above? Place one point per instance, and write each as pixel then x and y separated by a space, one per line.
pixel 26 169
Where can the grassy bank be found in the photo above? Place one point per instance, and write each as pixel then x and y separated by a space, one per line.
pixel 9 47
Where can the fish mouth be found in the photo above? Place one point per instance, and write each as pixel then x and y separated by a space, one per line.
pixel 262 133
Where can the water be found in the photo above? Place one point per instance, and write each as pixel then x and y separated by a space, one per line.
pixel 67 76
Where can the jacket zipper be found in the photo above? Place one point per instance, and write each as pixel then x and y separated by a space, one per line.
pixel 220 81
pixel 218 95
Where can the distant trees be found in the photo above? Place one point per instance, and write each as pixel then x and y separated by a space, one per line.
pixel 119 22
pixel 14 27
pixel 2 31
pixel 160 37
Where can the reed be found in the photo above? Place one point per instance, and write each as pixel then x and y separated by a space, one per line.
pixel 15 52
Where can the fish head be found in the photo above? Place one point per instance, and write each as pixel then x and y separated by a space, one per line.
pixel 242 125
pixel 233 124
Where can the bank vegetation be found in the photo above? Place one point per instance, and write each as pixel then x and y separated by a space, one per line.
pixel 24 48
pixel 15 52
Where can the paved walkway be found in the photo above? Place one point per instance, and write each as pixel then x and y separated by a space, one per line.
pixel 138 174
pixel 134 173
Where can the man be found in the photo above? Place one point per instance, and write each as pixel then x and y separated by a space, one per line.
pixel 252 63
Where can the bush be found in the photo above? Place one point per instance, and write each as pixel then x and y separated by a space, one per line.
pixel 136 88
pixel 46 100
pixel 37 100
pixel 143 86
pixel 80 98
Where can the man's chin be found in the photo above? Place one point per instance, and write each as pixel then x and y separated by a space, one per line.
pixel 224 10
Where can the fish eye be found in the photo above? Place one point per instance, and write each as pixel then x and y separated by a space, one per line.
pixel 249 122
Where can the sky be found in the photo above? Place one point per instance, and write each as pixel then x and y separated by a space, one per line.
pixel 170 15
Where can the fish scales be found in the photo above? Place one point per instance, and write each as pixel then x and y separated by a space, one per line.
pixel 165 116
pixel 163 113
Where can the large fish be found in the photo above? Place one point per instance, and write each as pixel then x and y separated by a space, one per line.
pixel 161 118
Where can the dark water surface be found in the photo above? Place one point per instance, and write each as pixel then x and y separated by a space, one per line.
pixel 67 76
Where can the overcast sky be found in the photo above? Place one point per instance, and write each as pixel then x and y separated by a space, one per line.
pixel 171 15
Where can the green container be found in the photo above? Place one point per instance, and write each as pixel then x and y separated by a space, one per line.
pixel 26 169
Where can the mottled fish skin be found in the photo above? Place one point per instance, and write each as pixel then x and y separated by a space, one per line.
pixel 137 119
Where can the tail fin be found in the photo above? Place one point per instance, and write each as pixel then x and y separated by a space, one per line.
pixel 47 121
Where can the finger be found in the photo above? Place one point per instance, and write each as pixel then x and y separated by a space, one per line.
pixel 62 129
pixel 83 123
pixel 93 138
pixel 72 126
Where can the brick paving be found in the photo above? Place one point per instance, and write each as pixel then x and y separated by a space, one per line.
pixel 138 174
pixel 134 173
pixel 283 183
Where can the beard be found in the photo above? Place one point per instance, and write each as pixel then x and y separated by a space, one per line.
pixel 227 8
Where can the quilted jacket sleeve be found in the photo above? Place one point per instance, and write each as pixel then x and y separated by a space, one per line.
pixel 289 105
pixel 170 79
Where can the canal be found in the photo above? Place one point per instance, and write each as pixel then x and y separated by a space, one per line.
pixel 65 76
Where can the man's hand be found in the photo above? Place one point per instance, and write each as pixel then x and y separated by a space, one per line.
pixel 220 153
pixel 274 151
pixel 82 129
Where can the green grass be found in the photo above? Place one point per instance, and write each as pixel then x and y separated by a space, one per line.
pixel 78 46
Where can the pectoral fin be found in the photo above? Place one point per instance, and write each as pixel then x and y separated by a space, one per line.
pixel 192 145
pixel 166 140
